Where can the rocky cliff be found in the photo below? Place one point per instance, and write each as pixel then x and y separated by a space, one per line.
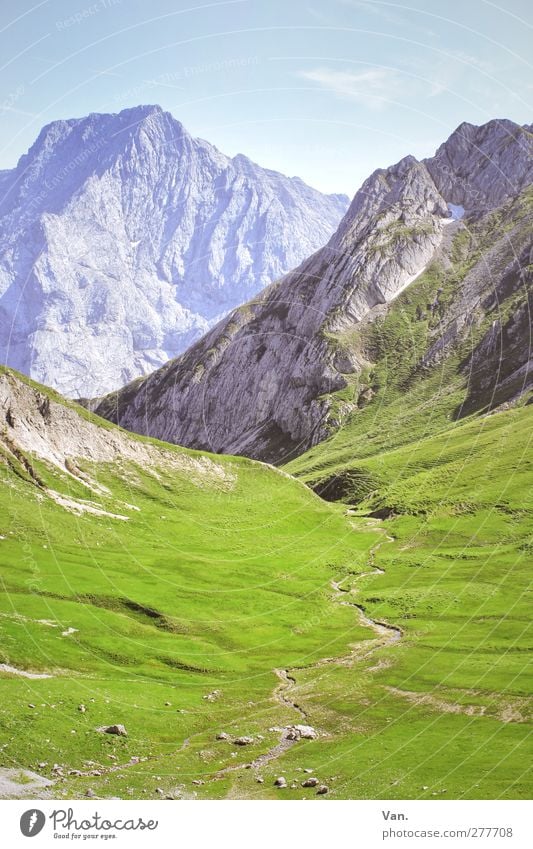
pixel 123 239
pixel 260 383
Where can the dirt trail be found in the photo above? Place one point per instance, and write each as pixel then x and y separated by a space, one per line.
pixel 285 692
pixel 386 632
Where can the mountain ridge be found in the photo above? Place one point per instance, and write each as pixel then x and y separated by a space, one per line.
pixel 123 238
pixel 262 382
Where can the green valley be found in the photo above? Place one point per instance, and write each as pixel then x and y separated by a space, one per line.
pixel 189 597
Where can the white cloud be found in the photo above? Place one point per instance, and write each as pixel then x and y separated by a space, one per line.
pixel 374 87
pixel 408 18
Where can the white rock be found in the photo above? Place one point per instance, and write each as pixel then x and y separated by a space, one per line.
pixel 123 239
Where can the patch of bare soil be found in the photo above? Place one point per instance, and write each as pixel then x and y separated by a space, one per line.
pixel 12 670
pixel 20 783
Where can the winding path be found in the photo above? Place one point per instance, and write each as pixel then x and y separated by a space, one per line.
pixel 285 692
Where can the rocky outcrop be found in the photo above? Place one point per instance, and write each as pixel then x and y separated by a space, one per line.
pixel 500 368
pixel 123 239
pixel 481 167
pixel 39 424
pixel 258 383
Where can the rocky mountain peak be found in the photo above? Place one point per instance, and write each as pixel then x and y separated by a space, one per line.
pixel 404 190
pixel 123 239
pixel 258 383
pixel 478 167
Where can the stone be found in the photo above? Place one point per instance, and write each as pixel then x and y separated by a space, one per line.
pixel 322 790
pixel 243 741
pixel 306 732
pixel 119 730
pixel 280 782
pixel 310 782
pixel 301 732
pixel 213 696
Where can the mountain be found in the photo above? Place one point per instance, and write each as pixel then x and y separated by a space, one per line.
pixel 228 627
pixel 430 267
pixel 123 239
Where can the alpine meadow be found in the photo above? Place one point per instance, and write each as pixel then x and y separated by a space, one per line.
pixel 266 503
pixel 185 624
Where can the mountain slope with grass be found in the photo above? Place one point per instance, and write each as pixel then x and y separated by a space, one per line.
pixel 448 238
pixel 242 630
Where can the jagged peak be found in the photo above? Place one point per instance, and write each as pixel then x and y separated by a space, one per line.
pixel 127 122
pixel 406 183
pixel 479 166
pixel 468 135
pixel 134 231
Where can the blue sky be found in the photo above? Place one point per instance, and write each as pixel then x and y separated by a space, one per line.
pixel 325 89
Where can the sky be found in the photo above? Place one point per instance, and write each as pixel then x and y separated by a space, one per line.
pixel 327 90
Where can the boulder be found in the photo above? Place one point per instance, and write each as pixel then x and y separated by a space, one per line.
pixel 243 741
pixel 301 732
pixel 119 730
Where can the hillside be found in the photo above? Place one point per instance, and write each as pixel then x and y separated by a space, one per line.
pixel 123 239
pixel 429 272
pixel 210 604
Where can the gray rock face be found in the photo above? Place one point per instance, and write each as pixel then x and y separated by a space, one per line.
pixel 500 368
pixel 480 167
pixel 123 239
pixel 257 384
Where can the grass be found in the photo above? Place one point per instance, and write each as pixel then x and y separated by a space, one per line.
pixel 447 710
pixel 203 589
pixel 454 696
pixel 455 496
pixel 175 621
pixel 206 590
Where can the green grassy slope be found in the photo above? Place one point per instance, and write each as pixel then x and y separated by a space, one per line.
pixel 184 612
pixel 449 706
pixel 456 691
pixel 210 585
pixel 401 395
